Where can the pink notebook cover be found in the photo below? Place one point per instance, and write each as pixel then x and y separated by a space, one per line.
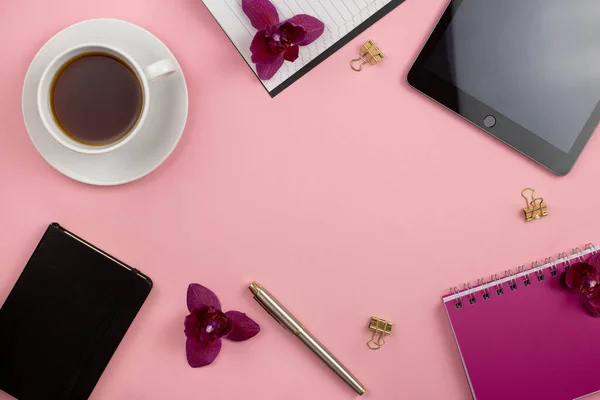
pixel 535 342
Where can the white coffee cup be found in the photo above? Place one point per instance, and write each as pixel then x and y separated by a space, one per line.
pixel 146 77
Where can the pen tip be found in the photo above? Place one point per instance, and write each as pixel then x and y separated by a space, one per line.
pixel 255 287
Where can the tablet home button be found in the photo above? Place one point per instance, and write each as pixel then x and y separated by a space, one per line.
pixel 489 121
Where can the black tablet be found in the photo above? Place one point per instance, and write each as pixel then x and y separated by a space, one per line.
pixel 525 71
pixel 65 317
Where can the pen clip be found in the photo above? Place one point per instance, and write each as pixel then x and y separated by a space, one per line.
pixel 271 314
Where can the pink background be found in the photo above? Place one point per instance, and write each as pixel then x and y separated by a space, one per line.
pixel 347 195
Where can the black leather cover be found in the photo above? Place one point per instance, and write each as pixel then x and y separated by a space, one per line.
pixel 65 317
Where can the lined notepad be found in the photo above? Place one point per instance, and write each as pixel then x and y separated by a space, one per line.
pixel 343 19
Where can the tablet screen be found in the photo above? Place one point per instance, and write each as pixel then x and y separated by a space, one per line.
pixel 536 61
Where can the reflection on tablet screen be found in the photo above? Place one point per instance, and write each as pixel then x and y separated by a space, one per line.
pixel 535 61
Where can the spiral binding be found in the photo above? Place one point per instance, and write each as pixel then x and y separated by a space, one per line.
pixel 522 277
pixel 526 277
pixel 551 265
pixel 540 272
pixel 513 282
pixel 485 290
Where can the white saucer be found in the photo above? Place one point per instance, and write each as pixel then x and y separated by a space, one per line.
pixel 152 145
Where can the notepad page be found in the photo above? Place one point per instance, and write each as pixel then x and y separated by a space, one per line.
pixel 339 16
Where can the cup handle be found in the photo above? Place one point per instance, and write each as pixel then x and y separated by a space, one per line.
pixel 160 68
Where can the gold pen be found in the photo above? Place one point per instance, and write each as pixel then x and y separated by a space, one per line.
pixel 283 316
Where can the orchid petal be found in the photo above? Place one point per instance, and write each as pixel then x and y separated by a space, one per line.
pixel 261 51
pixel 200 354
pixel 262 13
pixel 590 307
pixel 293 33
pixel 594 260
pixel 243 327
pixel 562 281
pixel 577 274
pixel 267 71
pixel 594 301
pixel 312 26
pixel 198 296
pixel 291 53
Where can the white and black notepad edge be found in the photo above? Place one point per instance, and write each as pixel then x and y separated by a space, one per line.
pixel 344 20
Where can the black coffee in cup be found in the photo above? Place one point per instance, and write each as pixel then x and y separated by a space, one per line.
pixel 96 99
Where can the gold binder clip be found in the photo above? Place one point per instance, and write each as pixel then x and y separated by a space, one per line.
pixel 380 328
pixel 536 208
pixel 369 53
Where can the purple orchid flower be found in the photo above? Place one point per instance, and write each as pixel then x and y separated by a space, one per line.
pixel 207 324
pixel 584 277
pixel 275 42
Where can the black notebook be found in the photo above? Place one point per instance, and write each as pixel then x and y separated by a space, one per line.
pixel 65 317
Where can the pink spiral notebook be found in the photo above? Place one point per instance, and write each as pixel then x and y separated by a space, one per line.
pixel 522 337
